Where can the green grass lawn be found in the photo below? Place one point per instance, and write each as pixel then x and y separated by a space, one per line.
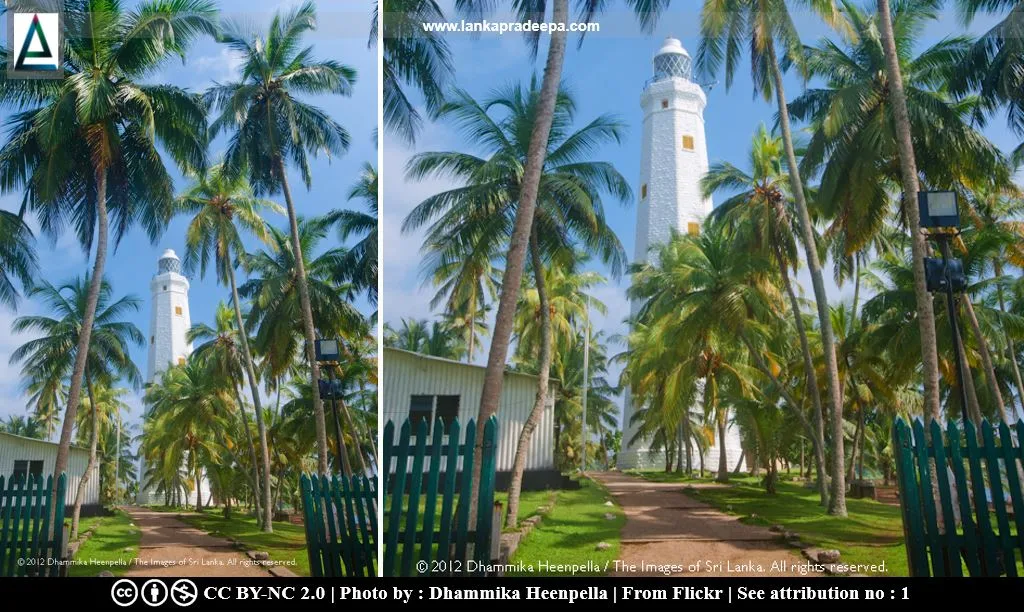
pixel 871 534
pixel 115 540
pixel 570 533
pixel 287 544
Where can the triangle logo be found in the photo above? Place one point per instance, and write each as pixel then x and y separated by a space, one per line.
pixel 35 35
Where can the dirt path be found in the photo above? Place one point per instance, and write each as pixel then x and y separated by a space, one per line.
pixel 669 533
pixel 170 547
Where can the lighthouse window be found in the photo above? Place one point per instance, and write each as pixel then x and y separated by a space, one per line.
pixel 688 143
pixel 177 310
pixel 165 287
pixel 152 339
pixel 643 191
pixel 664 103
pixel 693 228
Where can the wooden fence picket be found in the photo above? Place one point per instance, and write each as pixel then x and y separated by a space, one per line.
pixel 938 544
pixel 419 534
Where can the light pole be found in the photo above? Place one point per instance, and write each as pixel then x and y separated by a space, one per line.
pixel 939 213
pixel 586 383
pixel 328 352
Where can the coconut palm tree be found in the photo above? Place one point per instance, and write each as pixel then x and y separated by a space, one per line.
pixel 696 298
pixel 220 351
pixel 84 150
pixel 413 56
pixel 726 27
pixel 223 207
pixel 187 422
pixel 994 67
pixel 361 264
pixel 17 257
pixel 910 185
pixel 276 302
pixel 49 360
pixel 103 408
pixel 269 126
pixel 435 338
pixel 478 219
pixel 24 426
pixel 762 214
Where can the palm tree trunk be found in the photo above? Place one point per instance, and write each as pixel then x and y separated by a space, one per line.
pixel 307 322
pixel 1010 348
pixel 805 348
pixel 490 396
pixel 688 443
pixel 199 485
pixel 355 434
pixel 858 430
pixel 244 422
pixel 973 406
pixel 257 403
pixel 541 397
pixel 76 512
pixel 986 360
pixel 88 318
pixel 908 167
pixel 723 461
pixel 818 447
pixel 837 505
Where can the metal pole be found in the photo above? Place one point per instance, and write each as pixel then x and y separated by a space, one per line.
pixel 586 383
pixel 953 325
pixel 337 422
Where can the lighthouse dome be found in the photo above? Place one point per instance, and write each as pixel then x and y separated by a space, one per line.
pixel 169 262
pixel 672 61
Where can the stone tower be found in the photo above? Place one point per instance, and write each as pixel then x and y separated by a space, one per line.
pixel 169 319
pixel 673 159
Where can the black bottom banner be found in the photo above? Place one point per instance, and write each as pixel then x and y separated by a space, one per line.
pixel 427 593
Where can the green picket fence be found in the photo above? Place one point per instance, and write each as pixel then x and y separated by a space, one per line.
pixel 971 480
pixel 27 546
pixel 426 494
pixel 340 516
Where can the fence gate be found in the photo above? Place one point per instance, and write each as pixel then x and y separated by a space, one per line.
pixel 961 497
pixel 340 517
pixel 426 499
pixel 27 546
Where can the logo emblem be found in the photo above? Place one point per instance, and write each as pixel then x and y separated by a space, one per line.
pixel 124 592
pixel 184 592
pixel 35 45
pixel 154 592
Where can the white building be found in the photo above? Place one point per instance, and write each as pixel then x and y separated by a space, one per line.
pixel 169 322
pixel 29 456
pixel 673 159
pixel 422 386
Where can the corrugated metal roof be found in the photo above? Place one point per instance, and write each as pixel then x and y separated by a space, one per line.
pixel 17 437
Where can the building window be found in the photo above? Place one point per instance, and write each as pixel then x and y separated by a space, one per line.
pixel 693 228
pixel 24 468
pixel 664 103
pixel 421 408
pixel 643 191
pixel 430 408
pixel 447 409
pixel 177 310
pixel 165 287
pixel 181 361
pixel 688 143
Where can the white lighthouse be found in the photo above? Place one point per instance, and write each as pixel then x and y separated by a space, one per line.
pixel 673 159
pixel 169 320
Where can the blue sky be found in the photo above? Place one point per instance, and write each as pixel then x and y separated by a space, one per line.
pixel 342 35
pixel 606 75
